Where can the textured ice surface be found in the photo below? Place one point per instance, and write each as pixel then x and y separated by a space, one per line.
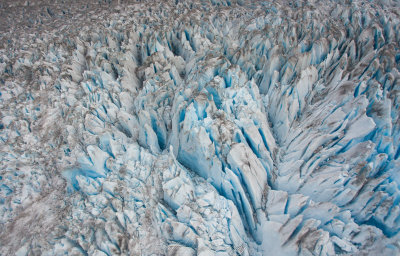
pixel 199 128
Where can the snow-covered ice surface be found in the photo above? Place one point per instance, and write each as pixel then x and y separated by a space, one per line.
pixel 199 128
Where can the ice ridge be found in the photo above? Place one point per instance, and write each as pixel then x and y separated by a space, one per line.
pixel 200 128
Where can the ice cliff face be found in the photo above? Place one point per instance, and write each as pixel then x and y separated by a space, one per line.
pixel 200 128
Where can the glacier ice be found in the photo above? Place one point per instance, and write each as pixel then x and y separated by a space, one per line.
pixel 221 127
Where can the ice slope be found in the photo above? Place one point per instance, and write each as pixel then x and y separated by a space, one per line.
pixel 200 128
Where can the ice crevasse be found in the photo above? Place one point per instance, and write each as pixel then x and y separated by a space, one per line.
pixel 200 128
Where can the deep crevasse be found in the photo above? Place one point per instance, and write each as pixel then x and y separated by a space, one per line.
pixel 201 128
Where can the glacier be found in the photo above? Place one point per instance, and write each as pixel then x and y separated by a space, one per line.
pixel 206 127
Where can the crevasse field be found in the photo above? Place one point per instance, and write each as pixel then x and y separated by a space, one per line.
pixel 201 127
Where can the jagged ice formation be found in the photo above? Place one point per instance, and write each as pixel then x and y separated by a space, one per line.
pixel 199 128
